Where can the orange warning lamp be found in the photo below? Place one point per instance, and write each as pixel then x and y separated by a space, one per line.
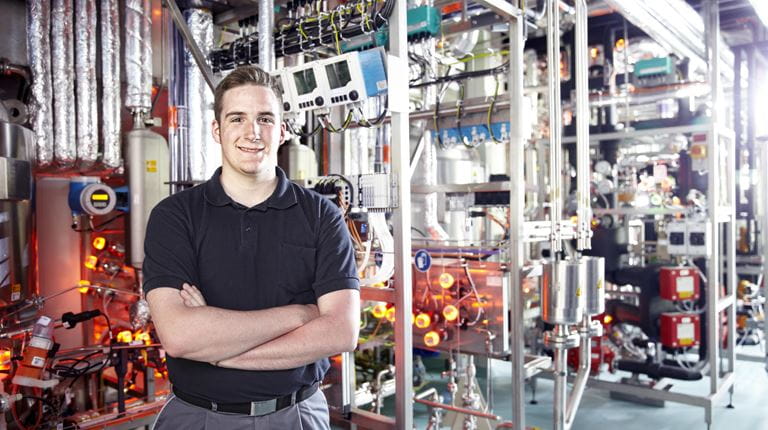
pixel 99 242
pixel 432 339
pixel 446 280
pixel 450 312
pixel 125 336
pixel 390 314
pixel 91 261
pixel 84 286
pixel 379 310
pixel 422 320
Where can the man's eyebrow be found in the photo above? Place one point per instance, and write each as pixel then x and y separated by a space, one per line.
pixel 234 114
pixel 265 113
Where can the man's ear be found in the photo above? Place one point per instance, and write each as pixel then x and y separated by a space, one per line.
pixel 282 132
pixel 215 131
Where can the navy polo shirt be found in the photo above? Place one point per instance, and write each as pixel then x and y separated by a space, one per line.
pixel 290 249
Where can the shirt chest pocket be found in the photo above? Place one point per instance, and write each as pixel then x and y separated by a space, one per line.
pixel 297 268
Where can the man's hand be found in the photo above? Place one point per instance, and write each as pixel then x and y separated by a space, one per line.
pixel 191 296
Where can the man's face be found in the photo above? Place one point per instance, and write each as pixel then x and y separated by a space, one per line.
pixel 250 131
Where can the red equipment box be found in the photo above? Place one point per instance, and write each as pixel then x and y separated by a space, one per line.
pixel 680 329
pixel 679 283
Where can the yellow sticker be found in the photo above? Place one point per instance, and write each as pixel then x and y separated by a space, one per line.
pixel 151 166
pixel 599 284
pixel 578 292
pixel 685 294
pixel 15 292
pixel 686 341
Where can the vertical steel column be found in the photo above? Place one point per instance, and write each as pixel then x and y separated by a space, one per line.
pixel 555 122
pixel 762 146
pixel 584 209
pixel 516 162
pixel 398 102
pixel 712 22
pixel 266 26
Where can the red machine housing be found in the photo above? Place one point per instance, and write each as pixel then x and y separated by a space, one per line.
pixel 679 283
pixel 680 329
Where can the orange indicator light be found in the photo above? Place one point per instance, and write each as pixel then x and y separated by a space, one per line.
pixel 432 339
pixel 422 320
pixel 84 285
pixel 99 242
pixel 607 319
pixel 125 336
pixel 379 310
pixel 450 312
pixel 446 280
pixel 390 315
pixel 91 261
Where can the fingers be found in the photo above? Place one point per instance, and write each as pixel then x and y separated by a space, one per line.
pixel 191 296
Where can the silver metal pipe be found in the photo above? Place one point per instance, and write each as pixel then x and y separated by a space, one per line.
pixel 85 78
pixel 561 380
pixel 199 97
pixel 266 27
pixel 712 20
pixel 138 56
pixel 401 219
pixel 763 196
pixel 516 163
pixel 110 80
pixel 555 121
pixel 584 210
pixel 457 409
pixel 63 83
pixel 39 53
pixel 585 365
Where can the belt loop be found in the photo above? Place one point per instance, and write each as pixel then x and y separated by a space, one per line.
pixel 293 398
pixel 214 406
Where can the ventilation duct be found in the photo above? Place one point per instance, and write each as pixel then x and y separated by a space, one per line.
pixel 39 53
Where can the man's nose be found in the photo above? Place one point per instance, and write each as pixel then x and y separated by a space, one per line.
pixel 253 130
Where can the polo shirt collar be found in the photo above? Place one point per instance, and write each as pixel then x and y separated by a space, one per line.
pixel 282 198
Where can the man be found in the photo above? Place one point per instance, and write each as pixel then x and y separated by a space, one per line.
pixel 277 291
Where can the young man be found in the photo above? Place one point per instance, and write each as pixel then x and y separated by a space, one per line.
pixel 274 269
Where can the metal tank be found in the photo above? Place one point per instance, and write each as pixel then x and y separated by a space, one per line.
pixel 148 166
pixel 595 285
pixel 16 154
pixel 562 292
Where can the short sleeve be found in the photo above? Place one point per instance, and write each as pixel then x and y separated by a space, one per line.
pixel 169 258
pixel 335 266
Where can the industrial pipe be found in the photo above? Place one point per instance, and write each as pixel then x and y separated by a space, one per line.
pixel 199 98
pixel 582 374
pixel 138 56
pixel 457 409
pixel 63 83
pixel 266 27
pixel 110 80
pixel 584 210
pixel 555 122
pixel 87 118
pixel 561 379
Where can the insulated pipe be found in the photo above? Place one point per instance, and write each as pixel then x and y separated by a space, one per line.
pixel 63 83
pixel 39 53
pixel 199 97
pixel 138 56
pixel 85 78
pixel 110 80
pixel 584 209
pixel 555 122
pixel 266 27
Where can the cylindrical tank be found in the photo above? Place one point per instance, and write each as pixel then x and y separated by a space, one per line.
pixel 148 166
pixel 595 285
pixel 459 165
pixel 16 154
pixel 562 294
pixel 298 161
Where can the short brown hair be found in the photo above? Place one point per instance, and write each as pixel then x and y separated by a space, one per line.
pixel 246 75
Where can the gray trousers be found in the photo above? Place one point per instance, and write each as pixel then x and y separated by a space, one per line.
pixel 310 414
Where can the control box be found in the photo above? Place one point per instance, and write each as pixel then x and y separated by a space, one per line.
pixel 679 283
pixel 334 81
pixel 680 329
pixel 688 237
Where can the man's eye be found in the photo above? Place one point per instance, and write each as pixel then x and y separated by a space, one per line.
pixel 266 120
pixel 236 119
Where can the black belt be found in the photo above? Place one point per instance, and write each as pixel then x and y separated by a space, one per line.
pixel 254 409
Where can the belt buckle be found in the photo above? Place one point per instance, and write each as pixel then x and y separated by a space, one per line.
pixel 263 408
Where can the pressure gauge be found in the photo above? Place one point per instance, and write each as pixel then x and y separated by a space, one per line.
pixel 603 167
pixel 605 186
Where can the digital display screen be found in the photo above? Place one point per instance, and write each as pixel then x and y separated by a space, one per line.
pixel 305 81
pixel 338 74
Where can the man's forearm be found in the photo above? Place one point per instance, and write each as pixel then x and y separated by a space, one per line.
pixel 320 338
pixel 211 334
